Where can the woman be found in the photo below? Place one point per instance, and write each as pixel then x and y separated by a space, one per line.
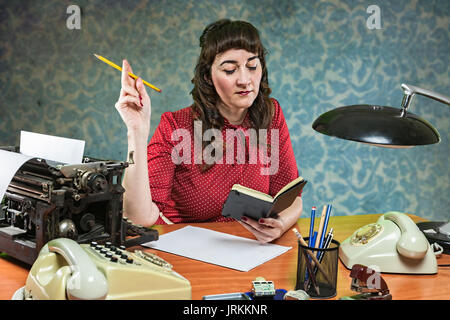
pixel 183 175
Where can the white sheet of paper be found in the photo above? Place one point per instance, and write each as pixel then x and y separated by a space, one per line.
pixel 10 162
pixel 217 248
pixel 53 148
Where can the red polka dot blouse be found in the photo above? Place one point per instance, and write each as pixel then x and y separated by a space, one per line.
pixel 185 193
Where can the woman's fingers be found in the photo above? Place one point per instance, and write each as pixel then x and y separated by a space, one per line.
pixel 128 90
pixel 133 87
pixel 142 91
pixel 126 101
pixel 260 236
pixel 133 104
pixel 270 222
pixel 265 230
pixel 127 82
pixel 126 79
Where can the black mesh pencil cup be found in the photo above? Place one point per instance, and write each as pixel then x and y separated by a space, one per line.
pixel 319 281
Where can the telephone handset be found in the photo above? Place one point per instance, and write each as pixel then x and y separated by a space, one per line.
pixel 65 269
pixel 394 244
pixel 412 242
pixel 86 281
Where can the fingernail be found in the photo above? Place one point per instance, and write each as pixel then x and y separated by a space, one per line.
pixel 244 219
pixel 261 221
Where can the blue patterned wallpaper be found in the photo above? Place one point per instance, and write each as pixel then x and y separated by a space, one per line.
pixel 322 55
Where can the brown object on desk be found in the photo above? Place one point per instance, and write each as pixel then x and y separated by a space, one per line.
pixel 370 283
pixel 208 279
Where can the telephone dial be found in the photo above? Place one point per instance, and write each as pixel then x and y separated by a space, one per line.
pixel 65 269
pixel 394 244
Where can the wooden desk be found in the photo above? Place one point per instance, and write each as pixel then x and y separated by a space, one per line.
pixel 209 279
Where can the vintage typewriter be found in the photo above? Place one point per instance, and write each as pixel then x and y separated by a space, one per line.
pixel 83 202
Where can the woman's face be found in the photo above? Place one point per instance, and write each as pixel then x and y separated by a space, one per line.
pixel 236 75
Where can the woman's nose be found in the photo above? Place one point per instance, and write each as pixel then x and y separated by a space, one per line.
pixel 243 78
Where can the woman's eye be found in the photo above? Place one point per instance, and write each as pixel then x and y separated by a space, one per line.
pixel 229 71
pixel 251 68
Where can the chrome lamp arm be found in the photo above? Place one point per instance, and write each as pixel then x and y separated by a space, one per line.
pixel 410 90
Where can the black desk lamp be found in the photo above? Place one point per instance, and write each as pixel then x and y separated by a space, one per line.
pixel 389 127
pixel 382 126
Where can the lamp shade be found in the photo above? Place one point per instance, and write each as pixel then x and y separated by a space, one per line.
pixel 383 126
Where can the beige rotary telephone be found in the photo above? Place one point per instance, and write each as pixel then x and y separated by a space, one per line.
pixel 65 269
pixel 394 244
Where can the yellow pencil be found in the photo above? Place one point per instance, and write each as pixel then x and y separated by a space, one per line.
pixel 112 64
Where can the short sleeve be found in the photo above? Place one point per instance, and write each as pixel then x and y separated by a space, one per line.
pixel 287 165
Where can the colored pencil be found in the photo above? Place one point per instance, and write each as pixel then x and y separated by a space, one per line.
pixel 311 226
pixel 325 226
pixel 320 231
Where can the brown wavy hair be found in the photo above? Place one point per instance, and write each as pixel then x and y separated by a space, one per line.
pixel 219 37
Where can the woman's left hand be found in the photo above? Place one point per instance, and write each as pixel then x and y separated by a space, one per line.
pixel 265 230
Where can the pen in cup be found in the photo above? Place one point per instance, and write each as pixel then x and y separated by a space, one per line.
pixel 325 226
pixel 311 225
pixel 320 230
pixel 321 254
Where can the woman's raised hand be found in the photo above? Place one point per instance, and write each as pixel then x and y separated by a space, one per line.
pixel 134 104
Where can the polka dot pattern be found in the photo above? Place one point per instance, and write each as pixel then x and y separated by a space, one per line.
pixel 183 193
